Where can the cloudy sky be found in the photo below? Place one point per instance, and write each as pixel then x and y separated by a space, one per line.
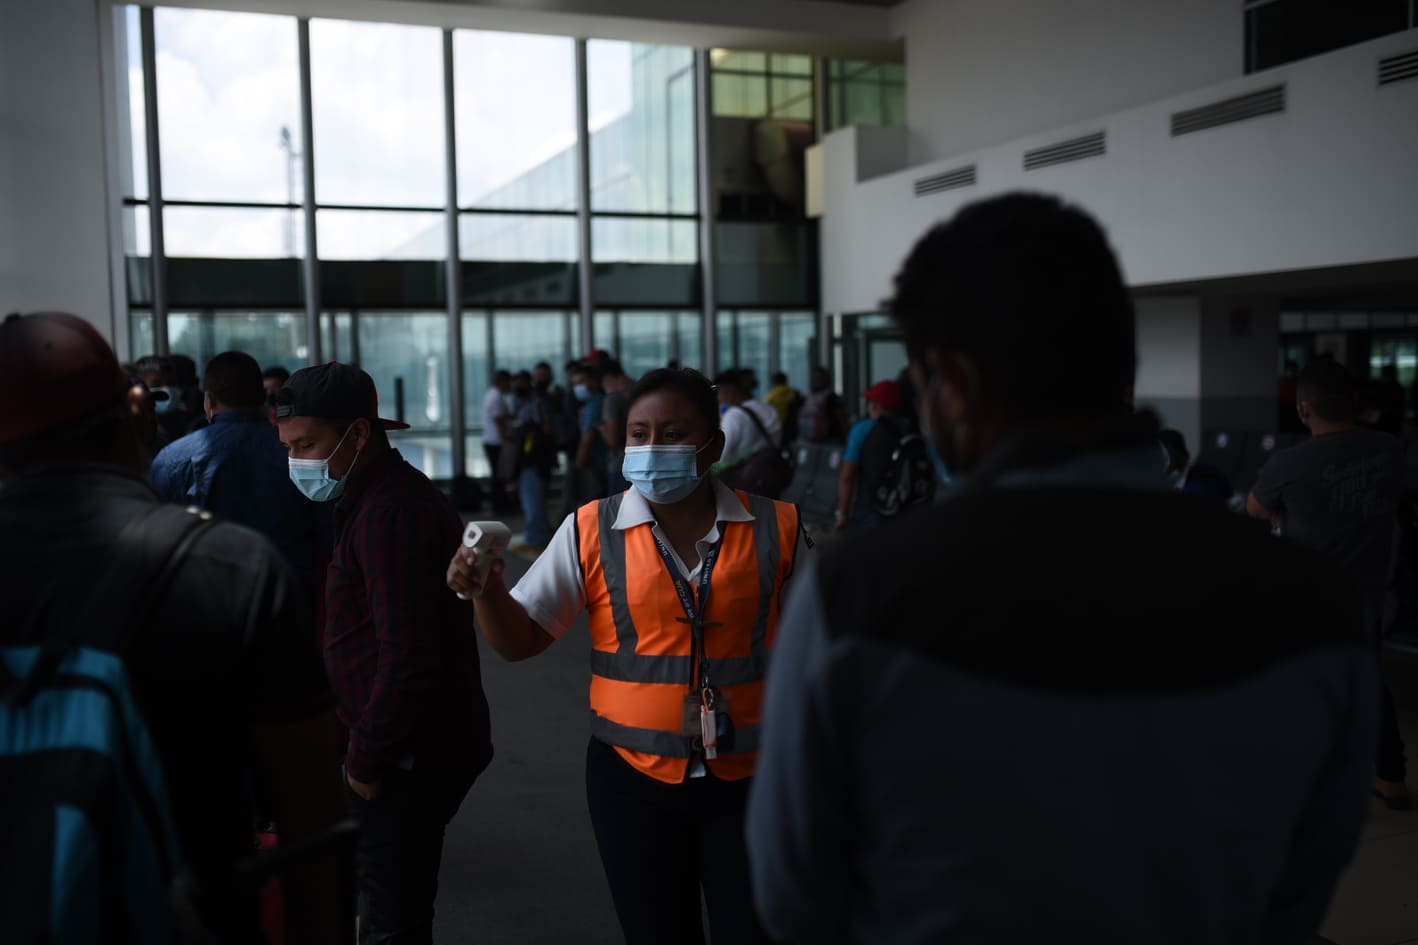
pixel 228 83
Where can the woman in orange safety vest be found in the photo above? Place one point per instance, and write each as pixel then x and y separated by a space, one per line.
pixel 682 581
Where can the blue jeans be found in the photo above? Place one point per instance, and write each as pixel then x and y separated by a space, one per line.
pixel 534 506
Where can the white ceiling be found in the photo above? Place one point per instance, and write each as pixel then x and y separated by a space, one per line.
pixel 848 28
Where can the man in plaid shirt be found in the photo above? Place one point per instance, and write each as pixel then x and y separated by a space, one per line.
pixel 401 662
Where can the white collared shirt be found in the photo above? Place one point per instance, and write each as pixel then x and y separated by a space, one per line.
pixel 553 591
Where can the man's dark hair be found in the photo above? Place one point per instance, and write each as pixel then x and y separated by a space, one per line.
pixel 731 378
pixel 1026 287
pixel 687 382
pixel 184 370
pixel 501 375
pixel 1329 388
pixel 275 373
pixel 153 364
pixel 540 365
pixel 778 378
pixel 233 378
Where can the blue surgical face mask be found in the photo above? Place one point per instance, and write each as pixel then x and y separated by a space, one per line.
pixel 312 476
pixel 581 392
pixel 163 406
pixel 663 474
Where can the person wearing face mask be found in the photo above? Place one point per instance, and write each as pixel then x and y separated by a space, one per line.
pixel 589 463
pixel 217 656
pixel 1195 698
pixel 404 669
pixel 236 468
pixel 682 579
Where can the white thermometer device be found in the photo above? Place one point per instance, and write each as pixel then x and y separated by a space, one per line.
pixel 489 540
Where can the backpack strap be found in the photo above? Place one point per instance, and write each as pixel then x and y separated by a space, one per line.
pixel 143 560
pixel 768 443
pixel 147 555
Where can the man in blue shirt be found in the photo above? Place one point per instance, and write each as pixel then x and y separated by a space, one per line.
pixel 236 468
pixel 870 444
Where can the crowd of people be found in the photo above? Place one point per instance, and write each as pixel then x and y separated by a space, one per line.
pixel 1081 698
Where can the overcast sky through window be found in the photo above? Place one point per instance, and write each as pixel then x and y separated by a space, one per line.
pixel 228 84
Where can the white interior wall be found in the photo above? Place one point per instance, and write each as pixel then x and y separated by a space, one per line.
pixel 1169 347
pixel 54 206
pixel 983 71
pixel 1169 361
pixel 1239 374
pixel 1329 182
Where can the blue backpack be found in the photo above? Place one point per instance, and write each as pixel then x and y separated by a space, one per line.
pixel 88 850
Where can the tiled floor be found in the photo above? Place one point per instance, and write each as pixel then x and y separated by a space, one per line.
pixel 1377 901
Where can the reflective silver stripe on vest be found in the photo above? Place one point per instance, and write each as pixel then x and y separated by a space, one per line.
pixel 653 741
pixel 634 667
pixel 649 740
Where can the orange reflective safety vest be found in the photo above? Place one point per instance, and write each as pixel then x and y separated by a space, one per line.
pixel 642 653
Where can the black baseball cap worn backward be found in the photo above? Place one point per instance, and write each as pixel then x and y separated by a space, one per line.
pixel 332 391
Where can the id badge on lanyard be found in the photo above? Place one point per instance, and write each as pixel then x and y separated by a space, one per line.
pixel 712 720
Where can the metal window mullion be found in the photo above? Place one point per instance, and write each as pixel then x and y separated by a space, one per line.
pixel 775 342
pixel 583 201
pixel 708 270
pixel 310 267
pixel 157 245
pixel 819 98
pixel 457 418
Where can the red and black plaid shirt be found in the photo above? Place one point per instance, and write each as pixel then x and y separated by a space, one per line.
pixel 400 647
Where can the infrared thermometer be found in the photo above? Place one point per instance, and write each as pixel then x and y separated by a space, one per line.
pixel 488 539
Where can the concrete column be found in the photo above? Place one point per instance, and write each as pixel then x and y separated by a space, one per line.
pixel 1240 339
pixel 1208 363
pixel 1169 370
pixel 55 190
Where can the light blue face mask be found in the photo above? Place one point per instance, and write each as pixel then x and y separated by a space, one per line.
pixel 163 406
pixel 581 392
pixel 663 474
pixel 312 476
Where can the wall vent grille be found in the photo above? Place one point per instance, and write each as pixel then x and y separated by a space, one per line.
pixel 1227 111
pixel 1074 149
pixel 960 177
pixel 1397 68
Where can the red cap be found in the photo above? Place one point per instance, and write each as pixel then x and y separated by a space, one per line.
pixel 597 356
pixel 54 369
pixel 887 394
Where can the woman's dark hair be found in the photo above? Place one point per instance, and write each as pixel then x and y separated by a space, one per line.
pixel 686 382
pixel 1028 288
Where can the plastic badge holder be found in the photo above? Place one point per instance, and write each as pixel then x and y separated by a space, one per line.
pixel 489 540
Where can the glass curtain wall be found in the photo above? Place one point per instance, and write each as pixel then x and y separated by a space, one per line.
pixel 232 162
pixel 515 122
pixel 769 342
pixel 865 93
